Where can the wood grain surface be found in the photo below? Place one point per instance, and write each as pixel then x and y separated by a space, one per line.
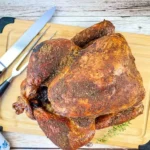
pixel 127 15
pixel 35 141
pixel 140 46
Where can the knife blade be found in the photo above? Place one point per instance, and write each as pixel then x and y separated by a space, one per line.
pixel 14 51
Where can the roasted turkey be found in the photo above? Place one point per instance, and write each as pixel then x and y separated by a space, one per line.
pixel 74 87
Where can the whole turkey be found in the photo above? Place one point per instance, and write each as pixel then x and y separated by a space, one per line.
pixel 74 87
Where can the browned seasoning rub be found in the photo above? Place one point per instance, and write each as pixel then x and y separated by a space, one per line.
pixel 74 87
pixel 94 32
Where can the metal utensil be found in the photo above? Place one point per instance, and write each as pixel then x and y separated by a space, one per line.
pixel 16 72
pixel 53 35
pixel 25 39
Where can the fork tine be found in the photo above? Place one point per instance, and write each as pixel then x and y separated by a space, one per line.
pixel 53 35
pixel 42 35
pixel 19 62
pixel 23 67
pixel 24 56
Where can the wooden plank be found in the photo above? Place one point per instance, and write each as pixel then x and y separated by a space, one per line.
pixel 123 24
pixel 138 25
pixel 76 8
pixel 25 140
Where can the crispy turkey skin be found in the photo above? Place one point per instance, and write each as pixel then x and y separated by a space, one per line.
pixel 74 87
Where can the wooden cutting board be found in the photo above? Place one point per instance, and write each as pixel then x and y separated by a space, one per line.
pixel 138 132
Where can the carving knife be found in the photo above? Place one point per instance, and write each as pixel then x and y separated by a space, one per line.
pixel 14 51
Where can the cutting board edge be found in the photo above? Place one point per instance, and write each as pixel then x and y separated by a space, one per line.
pixel 9 26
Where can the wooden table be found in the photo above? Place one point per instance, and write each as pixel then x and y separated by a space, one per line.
pixel 127 16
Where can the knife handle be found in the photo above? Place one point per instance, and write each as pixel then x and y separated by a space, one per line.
pixel 4 86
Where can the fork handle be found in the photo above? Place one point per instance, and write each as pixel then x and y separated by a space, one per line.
pixel 4 86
